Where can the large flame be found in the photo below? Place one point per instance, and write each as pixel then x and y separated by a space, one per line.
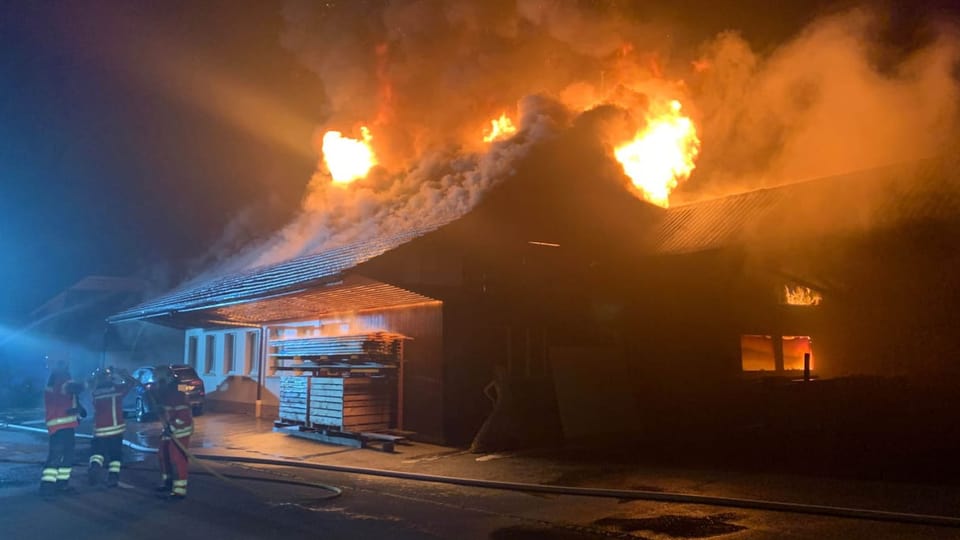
pixel 801 296
pixel 500 128
pixel 661 155
pixel 348 159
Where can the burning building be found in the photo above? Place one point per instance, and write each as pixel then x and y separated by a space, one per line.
pixel 524 273
pixel 539 247
pixel 600 302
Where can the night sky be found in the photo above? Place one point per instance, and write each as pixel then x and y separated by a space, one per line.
pixel 136 136
pixel 110 162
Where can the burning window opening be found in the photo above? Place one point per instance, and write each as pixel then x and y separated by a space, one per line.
pixel 794 349
pixel 758 353
pixel 799 295
pixel 500 128
pixel 661 155
pixel 348 159
pixel 547 244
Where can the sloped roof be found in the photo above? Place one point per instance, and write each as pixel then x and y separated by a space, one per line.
pixel 269 281
pixel 852 203
pixel 355 293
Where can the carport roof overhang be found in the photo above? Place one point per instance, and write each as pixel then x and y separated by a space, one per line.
pixel 353 293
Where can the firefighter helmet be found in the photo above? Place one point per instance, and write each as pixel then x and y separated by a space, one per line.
pixel 163 375
pixel 102 376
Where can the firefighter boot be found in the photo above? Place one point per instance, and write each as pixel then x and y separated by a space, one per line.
pixel 113 479
pixel 93 473
pixel 48 490
pixel 165 485
pixel 64 487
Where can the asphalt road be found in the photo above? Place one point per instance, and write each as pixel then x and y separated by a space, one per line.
pixel 371 507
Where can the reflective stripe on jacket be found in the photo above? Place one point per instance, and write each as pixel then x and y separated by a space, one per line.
pixel 177 413
pixel 58 401
pixel 108 409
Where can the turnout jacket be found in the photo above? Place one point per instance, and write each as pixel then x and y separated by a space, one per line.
pixel 108 409
pixel 60 402
pixel 176 412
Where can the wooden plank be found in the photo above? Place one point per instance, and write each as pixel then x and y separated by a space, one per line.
pixel 326 391
pixel 358 411
pixel 368 397
pixel 365 427
pixel 365 419
pixel 326 406
pixel 338 381
pixel 300 409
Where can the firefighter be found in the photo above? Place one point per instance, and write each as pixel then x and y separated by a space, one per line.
pixel 63 413
pixel 108 423
pixel 175 415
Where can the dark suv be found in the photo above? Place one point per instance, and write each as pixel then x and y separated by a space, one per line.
pixel 188 382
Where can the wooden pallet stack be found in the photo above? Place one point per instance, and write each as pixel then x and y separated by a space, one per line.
pixel 342 383
pixel 354 404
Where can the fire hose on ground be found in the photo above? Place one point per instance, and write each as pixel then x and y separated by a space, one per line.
pixel 620 494
pixel 333 491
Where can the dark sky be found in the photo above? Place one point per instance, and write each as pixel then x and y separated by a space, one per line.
pixel 113 161
pixel 132 134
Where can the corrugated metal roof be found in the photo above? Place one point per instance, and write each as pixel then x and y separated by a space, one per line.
pixel 268 281
pixel 850 203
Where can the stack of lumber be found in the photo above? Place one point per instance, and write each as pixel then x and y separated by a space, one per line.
pixel 346 404
pixel 377 344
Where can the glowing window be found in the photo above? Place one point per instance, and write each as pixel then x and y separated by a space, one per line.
pixel 756 353
pixel 794 347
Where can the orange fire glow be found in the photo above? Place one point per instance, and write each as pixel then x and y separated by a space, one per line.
pixel 348 159
pixel 801 296
pixel 661 155
pixel 500 128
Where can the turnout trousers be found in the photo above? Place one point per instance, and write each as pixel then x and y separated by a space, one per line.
pixel 56 471
pixel 173 464
pixel 108 449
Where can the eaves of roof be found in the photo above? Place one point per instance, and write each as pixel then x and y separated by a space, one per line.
pixel 285 278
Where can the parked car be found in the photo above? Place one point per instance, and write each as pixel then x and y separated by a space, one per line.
pixel 138 405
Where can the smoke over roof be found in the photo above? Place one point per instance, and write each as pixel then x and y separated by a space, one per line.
pixel 426 77
pixel 837 98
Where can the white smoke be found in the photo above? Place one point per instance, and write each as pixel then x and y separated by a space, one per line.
pixel 832 100
pixel 440 187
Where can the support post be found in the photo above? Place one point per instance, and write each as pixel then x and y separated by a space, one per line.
pixel 400 388
pixel 806 367
pixel 778 353
pixel 261 369
pixel 527 352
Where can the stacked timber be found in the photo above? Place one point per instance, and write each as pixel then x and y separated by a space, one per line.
pixel 353 404
pixel 293 399
pixel 378 345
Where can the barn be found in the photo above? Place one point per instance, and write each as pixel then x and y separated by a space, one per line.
pixel 598 313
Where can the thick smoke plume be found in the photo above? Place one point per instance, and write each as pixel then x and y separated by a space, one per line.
pixel 427 77
pixel 834 99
